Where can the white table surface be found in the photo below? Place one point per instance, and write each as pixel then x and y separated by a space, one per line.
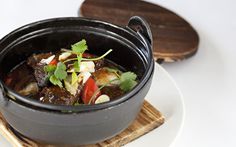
pixel 207 80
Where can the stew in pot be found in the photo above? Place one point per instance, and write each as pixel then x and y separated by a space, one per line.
pixel 71 77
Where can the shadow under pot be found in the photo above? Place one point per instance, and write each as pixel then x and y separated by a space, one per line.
pixel 83 124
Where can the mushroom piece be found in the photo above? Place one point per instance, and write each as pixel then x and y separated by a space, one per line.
pixel 103 76
pixel 30 89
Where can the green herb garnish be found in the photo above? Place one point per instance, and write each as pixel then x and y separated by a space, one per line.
pixel 55 81
pixel 79 47
pixel 89 59
pixel 50 68
pixel 127 81
pixel 98 58
pixel 127 76
pixel 57 73
pixel 60 72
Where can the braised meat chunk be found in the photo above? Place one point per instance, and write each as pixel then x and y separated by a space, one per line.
pixel 22 80
pixel 40 75
pixel 34 59
pixel 57 95
pixel 35 62
pixel 112 91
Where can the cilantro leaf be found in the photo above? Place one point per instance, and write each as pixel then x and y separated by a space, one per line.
pixel 79 47
pixel 127 85
pixel 49 68
pixel 127 81
pixel 56 73
pixel 60 72
pixel 61 65
pixel 128 76
pixel 55 81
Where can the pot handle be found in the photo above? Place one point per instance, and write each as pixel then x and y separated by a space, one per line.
pixel 141 26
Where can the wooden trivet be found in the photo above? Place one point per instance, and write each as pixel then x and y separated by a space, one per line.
pixel 148 119
pixel 174 38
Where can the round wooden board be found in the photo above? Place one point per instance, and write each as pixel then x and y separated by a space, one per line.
pixel 174 38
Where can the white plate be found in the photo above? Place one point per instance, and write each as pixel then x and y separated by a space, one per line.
pixel 166 97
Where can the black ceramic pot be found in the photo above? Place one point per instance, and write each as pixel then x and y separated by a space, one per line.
pixel 56 124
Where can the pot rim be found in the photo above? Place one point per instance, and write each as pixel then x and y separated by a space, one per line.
pixel 9 93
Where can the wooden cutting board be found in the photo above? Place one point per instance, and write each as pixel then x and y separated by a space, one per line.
pixel 174 38
pixel 148 119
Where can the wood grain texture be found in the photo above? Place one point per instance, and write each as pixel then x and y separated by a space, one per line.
pixel 148 119
pixel 174 38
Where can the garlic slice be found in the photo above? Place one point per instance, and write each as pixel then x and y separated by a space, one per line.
pixel 102 98
pixel 64 56
pixel 84 76
pixel 87 66
pixel 48 60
